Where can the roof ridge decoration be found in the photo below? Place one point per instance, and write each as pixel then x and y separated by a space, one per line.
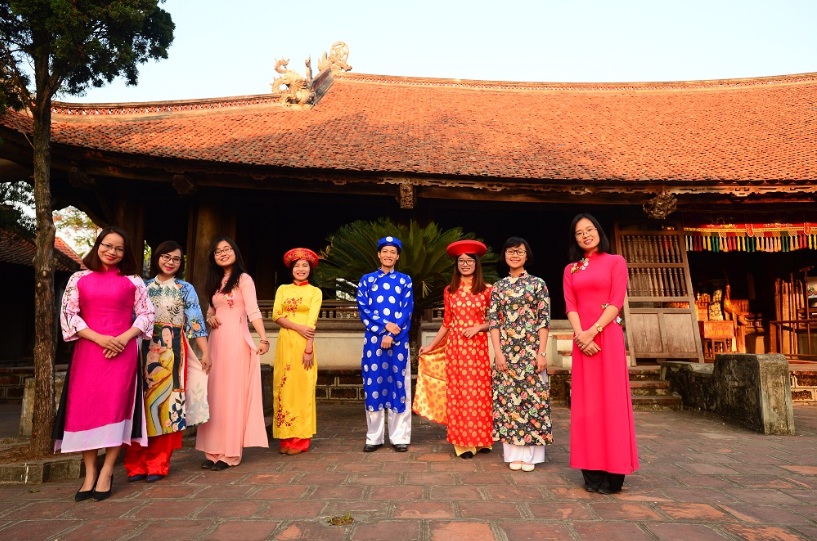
pixel 336 59
pixel 295 90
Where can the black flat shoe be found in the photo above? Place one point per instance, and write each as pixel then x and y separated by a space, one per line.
pixel 606 490
pixel 207 465
pixel 590 488
pixel 154 477
pixel 467 454
pixel 402 447
pixel 484 450
pixel 100 495
pixel 220 465
pixel 371 447
pixel 137 477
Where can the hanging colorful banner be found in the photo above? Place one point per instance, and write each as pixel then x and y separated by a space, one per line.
pixel 751 237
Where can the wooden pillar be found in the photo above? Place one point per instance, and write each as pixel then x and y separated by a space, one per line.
pixel 210 218
pixel 129 214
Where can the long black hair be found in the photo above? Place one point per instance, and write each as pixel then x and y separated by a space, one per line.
pixel 215 274
pixel 574 251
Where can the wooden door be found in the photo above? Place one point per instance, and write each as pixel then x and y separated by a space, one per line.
pixel 660 316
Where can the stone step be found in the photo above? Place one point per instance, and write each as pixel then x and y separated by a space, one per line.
pixel 652 403
pixel 649 388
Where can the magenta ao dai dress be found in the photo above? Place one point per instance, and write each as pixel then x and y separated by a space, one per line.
pixel 100 394
pixel 602 428
pixel 234 388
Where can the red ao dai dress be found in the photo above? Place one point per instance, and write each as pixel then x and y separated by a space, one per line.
pixel 468 370
pixel 602 427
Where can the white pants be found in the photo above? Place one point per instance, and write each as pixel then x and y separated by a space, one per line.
pixel 399 423
pixel 530 454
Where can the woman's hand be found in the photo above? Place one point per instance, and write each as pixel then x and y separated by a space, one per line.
pixel 584 340
pixel 541 364
pixel 308 360
pixel 213 321
pixel 111 345
pixel 500 362
pixel 263 347
pixel 471 332
pixel 206 364
pixel 306 331
pixel 423 350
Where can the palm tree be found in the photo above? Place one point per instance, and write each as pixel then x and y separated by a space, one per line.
pixel 352 252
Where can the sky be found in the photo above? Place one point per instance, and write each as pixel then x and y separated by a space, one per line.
pixel 223 51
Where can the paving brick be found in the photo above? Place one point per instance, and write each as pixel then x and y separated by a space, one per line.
pixel 562 511
pixel 97 530
pixel 764 533
pixel 610 531
pixel 472 531
pixel 308 530
pixel 27 530
pixel 161 509
pixel 633 512
pixel 684 532
pixel 491 510
pixel 419 510
pixel 456 493
pixel 392 530
pixel 692 512
pixel 517 493
pixel 536 531
pixel 406 492
pixel 246 530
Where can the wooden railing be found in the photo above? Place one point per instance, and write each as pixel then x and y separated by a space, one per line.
pixel 344 312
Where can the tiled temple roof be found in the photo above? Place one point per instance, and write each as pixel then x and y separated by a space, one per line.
pixel 762 129
pixel 18 249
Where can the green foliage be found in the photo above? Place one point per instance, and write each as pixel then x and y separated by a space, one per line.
pixel 75 45
pixel 17 206
pixel 75 225
pixel 352 252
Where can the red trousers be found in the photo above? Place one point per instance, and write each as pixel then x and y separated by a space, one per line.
pixel 153 459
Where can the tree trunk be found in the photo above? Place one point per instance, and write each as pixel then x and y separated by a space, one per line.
pixel 44 307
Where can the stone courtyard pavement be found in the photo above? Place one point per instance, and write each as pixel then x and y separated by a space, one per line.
pixel 700 480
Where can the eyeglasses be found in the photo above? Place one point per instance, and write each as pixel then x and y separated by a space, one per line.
pixel 111 248
pixel 515 251
pixel 225 250
pixel 167 258
pixel 466 262
pixel 587 232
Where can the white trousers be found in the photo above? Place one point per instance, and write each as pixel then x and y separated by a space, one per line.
pixel 530 454
pixel 399 423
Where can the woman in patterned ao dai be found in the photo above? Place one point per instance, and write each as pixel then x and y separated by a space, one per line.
pixel 295 370
pixel 234 387
pixel 175 381
pixel 104 309
pixel 468 402
pixel 519 320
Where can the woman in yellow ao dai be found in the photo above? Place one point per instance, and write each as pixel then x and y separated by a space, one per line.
pixel 295 370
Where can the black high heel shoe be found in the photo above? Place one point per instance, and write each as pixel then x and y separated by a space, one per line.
pixel 100 495
pixel 83 495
